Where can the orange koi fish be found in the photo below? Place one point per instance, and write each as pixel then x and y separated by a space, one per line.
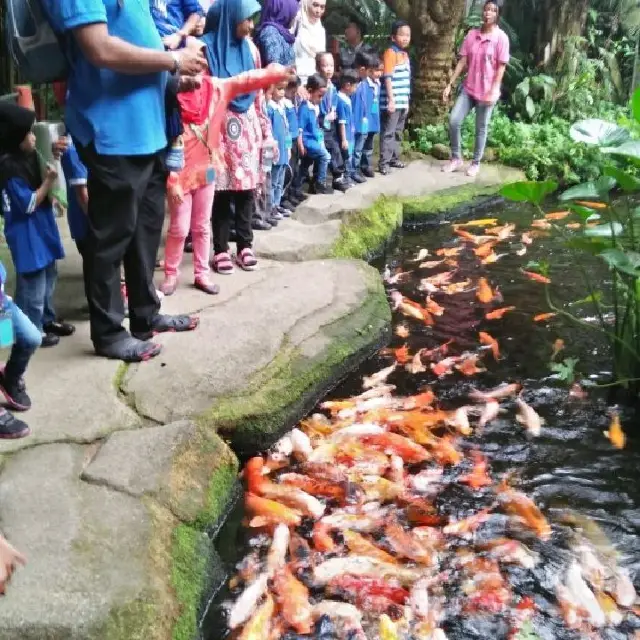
pixel 484 292
pixel 467 525
pixel 444 367
pixel 431 264
pixel 321 536
pixel 360 546
pixel 419 401
pixel 465 235
pixel 558 346
pixel 537 277
pixel 497 314
pixel 541 317
pixel 444 452
pixel 502 233
pixel 259 625
pixel 405 545
pixel 557 215
pixel 402 354
pixel 419 313
pixel 416 365
pixel 541 224
pixel 591 204
pixel 469 366
pixel 442 350
pixel 490 342
pixel 615 433
pixel 502 391
pixel 433 307
pixel 363 587
pixel 456 287
pixel 408 450
pixel 269 512
pixel 293 601
pixel 574 226
pixel 492 257
pixel 478 477
pixel 485 249
pixel 518 504
pixel 483 222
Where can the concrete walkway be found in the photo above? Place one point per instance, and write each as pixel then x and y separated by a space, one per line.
pixel 125 469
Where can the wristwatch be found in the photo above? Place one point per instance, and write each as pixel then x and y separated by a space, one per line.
pixel 176 62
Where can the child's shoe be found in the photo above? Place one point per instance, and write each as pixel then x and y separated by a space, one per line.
pixel 455 164
pixel 358 178
pixel 367 172
pixel 397 164
pixel 300 195
pixel 59 328
pixel 320 188
pixel 202 283
pixel 258 224
pixel 275 214
pixel 175 156
pixel 11 428
pixel 15 392
pixel 341 184
pixel 49 340
pixel 473 170
pixel 169 285
pixel 285 211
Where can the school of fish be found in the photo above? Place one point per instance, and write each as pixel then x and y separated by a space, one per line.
pixel 347 537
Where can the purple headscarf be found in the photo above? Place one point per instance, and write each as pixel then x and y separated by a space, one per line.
pixel 280 14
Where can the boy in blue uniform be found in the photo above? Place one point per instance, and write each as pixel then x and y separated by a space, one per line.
pixel 375 70
pixel 311 145
pixel 360 111
pixel 280 126
pixel 293 198
pixel 346 124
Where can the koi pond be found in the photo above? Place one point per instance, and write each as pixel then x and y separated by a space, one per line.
pixel 460 484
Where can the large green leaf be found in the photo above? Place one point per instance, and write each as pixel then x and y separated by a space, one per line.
pixel 629 149
pixel 597 190
pixel 635 104
pixel 625 180
pixel 625 261
pixel 530 106
pixel 605 230
pixel 599 132
pixel 534 192
pixel 585 213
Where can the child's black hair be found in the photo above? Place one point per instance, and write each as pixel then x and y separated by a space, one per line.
pixel 294 82
pixel 315 82
pixel 397 25
pixel 373 61
pixel 358 25
pixel 361 59
pixel 348 76
pixel 319 57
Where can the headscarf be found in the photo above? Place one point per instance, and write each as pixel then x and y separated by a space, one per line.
pixel 311 39
pixel 15 124
pixel 280 14
pixel 226 54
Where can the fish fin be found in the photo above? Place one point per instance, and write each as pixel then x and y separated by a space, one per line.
pixel 519 419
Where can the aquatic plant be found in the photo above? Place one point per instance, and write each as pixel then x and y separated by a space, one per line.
pixel 610 231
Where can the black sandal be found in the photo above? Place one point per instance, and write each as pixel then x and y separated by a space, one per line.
pixel 168 324
pixel 131 349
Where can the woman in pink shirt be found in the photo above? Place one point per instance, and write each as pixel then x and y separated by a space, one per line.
pixel 484 56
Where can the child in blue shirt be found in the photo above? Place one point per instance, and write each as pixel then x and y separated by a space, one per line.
pixel 346 122
pixel 176 20
pixel 276 110
pixel 311 145
pixel 293 198
pixel 29 223
pixel 371 90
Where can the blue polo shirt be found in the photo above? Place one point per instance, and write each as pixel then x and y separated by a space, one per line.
pixel 312 134
pixel 75 175
pixel 31 231
pixel 373 105
pixel 345 117
pixel 280 130
pixel 121 114
pixel 359 104
pixel 169 16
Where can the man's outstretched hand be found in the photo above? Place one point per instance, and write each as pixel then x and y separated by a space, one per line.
pixel 10 558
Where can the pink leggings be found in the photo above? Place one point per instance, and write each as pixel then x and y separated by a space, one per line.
pixel 194 213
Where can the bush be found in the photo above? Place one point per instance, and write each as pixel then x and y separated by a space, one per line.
pixel 543 151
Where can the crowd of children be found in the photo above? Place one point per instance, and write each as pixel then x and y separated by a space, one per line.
pixel 327 128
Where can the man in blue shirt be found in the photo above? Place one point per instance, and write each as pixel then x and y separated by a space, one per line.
pixel 115 112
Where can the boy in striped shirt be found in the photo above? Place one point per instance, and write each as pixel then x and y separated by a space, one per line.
pixel 394 96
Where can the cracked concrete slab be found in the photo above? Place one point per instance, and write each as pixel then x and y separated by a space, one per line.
pixel 186 381
pixel 87 547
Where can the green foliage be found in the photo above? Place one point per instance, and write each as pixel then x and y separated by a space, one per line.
pixel 565 370
pixel 614 239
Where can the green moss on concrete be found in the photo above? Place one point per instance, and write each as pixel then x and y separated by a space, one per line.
pixel 118 378
pixel 188 578
pixel 446 200
pixel 284 390
pixel 133 621
pixel 363 232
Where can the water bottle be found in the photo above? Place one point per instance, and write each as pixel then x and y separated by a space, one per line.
pixel 267 157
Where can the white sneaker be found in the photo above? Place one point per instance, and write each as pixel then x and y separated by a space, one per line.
pixel 455 164
pixel 473 170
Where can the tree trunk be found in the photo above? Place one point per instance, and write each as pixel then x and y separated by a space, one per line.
pixel 557 22
pixel 434 24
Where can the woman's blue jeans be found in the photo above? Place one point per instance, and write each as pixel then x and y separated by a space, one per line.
pixel 27 339
pixel 463 106
pixel 34 294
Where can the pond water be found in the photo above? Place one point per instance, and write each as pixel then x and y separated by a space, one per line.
pixel 587 489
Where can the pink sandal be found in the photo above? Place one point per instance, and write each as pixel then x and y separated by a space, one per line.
pixel 246 260
pixel 222 264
